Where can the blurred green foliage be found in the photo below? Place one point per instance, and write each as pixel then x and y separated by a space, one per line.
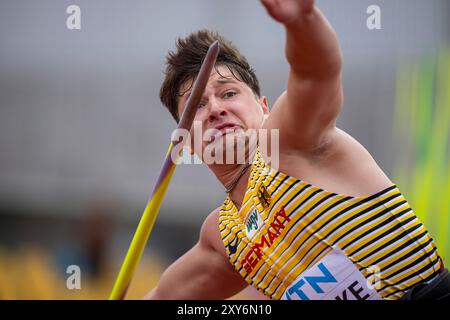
pixel 422 133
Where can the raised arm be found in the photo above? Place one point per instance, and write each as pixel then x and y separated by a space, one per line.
pixel 306 112
pixel 202 273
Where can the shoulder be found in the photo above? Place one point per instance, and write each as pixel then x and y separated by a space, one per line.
pixel 210 234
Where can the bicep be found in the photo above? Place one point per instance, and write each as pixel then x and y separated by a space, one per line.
pixel 307 110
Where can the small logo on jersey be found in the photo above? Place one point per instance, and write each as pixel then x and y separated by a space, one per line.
pixel 264 196
pixel 253 223
pixel 232 247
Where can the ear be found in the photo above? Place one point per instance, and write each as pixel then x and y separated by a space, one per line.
pixel 264 104
pixel 265 107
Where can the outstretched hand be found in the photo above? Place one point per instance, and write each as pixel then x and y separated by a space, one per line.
pixel 288 11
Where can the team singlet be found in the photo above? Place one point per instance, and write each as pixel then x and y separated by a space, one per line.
pixel 292 240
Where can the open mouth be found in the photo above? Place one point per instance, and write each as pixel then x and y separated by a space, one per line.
pixel 221 131
pixel 228 128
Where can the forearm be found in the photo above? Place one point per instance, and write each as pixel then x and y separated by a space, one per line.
pixel 199 274
pixel 312 48
pixel 184 279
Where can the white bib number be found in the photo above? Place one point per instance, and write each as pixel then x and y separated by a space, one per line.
pixel 332 278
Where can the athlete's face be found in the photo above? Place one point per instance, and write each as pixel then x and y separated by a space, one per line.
pixel 227 105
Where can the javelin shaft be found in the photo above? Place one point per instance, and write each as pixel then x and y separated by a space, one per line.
pixel 148 218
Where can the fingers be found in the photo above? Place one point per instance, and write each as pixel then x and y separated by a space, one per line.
pixel 281 10
pixel 269 5
pixel 286 11
pixel 267 2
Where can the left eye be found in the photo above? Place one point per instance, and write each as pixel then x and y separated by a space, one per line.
pixel 229 94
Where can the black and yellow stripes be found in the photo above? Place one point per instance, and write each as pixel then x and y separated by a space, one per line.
pixel 301 223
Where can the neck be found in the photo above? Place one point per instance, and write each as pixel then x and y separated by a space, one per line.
pixel 227 175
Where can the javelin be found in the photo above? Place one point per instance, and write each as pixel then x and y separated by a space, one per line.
pixel 151 210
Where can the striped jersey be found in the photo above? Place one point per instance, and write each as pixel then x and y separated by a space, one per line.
pixel 293 240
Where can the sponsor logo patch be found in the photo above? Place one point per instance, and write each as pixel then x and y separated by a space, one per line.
pixel 254 222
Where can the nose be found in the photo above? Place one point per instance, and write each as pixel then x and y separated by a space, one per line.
pixel 215 110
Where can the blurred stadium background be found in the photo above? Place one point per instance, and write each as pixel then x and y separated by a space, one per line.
pixel 83 134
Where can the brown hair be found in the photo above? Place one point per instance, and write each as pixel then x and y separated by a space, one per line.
pixel 184 64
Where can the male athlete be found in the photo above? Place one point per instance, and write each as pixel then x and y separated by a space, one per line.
pixel 327 223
